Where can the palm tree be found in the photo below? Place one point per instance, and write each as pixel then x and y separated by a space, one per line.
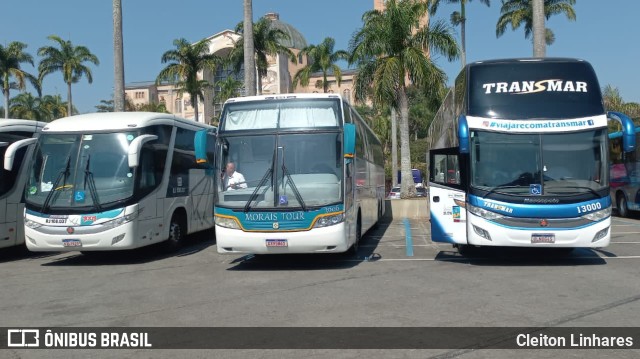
pixel 613 101
pixel 11 58
pixel 390 53
pixel 105 106
pixel 185 62
pixel 459 18
pixel 537 10
pixel 267 42
pixel 68 59
pixel 249 50
pixel 53 107
pixel 152 107
pixel 519 12
pixel 227 88
pixel 27 106
pixel 323 59
pixel 118 57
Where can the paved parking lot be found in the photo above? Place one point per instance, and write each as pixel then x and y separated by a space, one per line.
pixel 396 280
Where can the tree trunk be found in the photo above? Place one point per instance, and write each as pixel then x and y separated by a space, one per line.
pixel 118 58
pixel 69 103
pixel 394 147
pixel 408 188
pixel 6 102
pixel 463 20
pixel 539 32
pixel 194 103
pixel 249 50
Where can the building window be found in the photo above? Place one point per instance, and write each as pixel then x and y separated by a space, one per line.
pixel 139 94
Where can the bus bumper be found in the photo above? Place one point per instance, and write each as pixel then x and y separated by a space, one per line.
pixel 531 237
pixel 332 239
pixel 57 239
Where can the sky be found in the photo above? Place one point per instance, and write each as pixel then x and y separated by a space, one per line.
pixel 604 33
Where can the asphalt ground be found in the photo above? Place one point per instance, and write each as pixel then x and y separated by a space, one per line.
pixel 395 280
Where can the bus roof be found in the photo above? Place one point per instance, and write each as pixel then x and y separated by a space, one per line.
pixel 285 97
pixel 106 121
pixel 525 59
pixel 21 125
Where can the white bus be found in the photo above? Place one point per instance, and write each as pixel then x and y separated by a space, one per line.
pixel 111 181
pixel 12 179
pixel 519 157
pixel 313 170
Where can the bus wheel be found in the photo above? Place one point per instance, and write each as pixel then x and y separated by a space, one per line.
pixel 354 248
pixel 464 249
pixel 176 235
pixel 623 210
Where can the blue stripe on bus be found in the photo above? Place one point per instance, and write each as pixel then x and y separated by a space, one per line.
pixel 286 220
pixel 437 231
pixel 520 210
pixel 407 235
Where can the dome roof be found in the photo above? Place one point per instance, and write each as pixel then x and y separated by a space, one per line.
pixel 295 40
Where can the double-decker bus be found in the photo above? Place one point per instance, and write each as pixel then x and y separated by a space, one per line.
pixel 313 175
pixel 519 157
pixel 111 181
pixel 625 174
pixel 12 177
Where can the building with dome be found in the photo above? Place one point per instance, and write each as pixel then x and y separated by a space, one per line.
pixel 278 80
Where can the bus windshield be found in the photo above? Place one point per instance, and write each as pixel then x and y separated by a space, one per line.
pixel 527 90
pixel 539 164
pixel 272 114
pixel 80 170
pixel 280 171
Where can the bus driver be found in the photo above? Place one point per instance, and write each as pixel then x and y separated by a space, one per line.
pixel 232 179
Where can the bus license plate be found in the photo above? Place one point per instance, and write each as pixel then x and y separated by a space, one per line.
pixel 543 238
pixel 71 243
pixel 277 243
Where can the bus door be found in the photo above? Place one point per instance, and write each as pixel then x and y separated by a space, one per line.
pixel 447 197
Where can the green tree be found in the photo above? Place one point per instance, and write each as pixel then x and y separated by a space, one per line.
pixel 249 50
pixel 322 59
pixel 26 106
pixel 520 13
pixel 105 106
pixel 53 107
pixel 11 58
pixel 613 101
pixel 151 107
pixel 68 59
pixel 226 89
pixel 266 42
pixel 390 53
pixel 185 62
pixel 459 18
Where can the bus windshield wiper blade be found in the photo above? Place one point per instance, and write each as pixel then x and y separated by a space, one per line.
pixel 285 171
pixel 88 179
pixel 494 189
pixel 589 189
pixel 264 179
pixel 53 190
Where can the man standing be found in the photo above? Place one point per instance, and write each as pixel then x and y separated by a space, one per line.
pixel 232 179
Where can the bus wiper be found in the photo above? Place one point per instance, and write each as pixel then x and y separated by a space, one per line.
pixel 494 189
pixel 88 179
pixel 285 171
pixel 571 187
pixel 264 179
pixel 54 187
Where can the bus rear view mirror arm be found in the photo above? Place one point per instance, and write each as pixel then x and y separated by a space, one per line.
pixel 10 154
pixel 628 130
pixel 135 146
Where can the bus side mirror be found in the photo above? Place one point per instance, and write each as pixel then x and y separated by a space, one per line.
pixel 463 134
pixel 628 130
pixel 200 144
pixel 10 154
pixel 349 142
pixel 135 146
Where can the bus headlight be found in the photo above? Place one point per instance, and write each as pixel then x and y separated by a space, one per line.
pixel 121 220
pixel 598 215
pixel 329 220
pixel 225 222
pixel 481 212
pixel 31 224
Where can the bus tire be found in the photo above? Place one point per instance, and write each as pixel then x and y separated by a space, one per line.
pixel 621 203
pixel 176 234
pixel 356 244
pixel 464 249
